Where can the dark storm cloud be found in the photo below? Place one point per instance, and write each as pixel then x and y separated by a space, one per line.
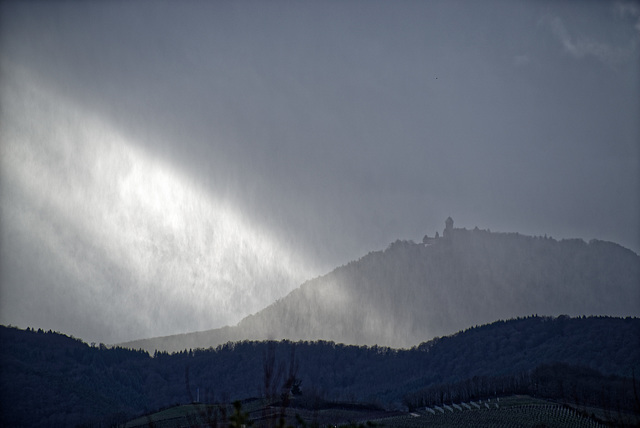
pixel 340 126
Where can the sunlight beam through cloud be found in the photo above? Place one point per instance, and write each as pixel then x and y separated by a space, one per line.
pixel 146 249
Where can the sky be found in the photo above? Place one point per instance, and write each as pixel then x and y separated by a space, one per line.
pixel 169 167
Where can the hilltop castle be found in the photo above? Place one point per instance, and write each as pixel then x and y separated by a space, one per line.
pixel 446 233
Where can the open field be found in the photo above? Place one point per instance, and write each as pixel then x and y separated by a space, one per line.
pixel 179 416
pixel 513 411
pixel 507 412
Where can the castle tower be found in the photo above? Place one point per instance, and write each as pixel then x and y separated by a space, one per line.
pixel 448 229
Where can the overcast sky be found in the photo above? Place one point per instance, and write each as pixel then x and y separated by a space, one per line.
pixel 174 166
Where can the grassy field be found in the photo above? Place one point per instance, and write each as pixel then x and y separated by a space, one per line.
pixel 507 412
pixel 189 415
pixel 515 411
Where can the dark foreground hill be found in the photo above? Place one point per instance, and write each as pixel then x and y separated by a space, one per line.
pixel 412 292
pixel 48 379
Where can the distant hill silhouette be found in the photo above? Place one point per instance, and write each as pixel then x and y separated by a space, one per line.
pixel 412 292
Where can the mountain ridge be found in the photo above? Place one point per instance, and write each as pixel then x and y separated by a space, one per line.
pixel 411 292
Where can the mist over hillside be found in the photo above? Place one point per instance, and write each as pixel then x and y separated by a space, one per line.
pixel 412 292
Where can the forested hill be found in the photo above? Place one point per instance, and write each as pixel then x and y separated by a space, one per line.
pixel 48 379
pixel 412 292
